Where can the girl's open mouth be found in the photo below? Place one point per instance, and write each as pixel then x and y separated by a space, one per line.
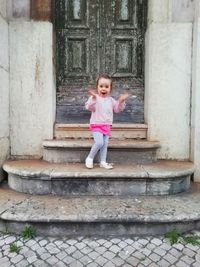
pixel 103 93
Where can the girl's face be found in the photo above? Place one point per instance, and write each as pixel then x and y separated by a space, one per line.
pixel 104 87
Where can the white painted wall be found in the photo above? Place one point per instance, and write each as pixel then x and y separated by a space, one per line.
pixel 32 90
pixel 4 87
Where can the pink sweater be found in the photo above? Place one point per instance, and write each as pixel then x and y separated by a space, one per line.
pixel 102 109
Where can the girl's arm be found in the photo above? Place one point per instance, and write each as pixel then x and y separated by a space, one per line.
pixel 120 104
pixel 123 97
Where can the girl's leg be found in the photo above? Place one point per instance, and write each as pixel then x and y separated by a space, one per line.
pixel 103 154
pixel 104 148
pixel 98 143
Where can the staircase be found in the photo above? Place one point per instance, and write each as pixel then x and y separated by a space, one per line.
pixel 141 195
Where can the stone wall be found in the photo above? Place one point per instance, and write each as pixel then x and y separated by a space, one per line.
pixel 172 83
pixel 4 86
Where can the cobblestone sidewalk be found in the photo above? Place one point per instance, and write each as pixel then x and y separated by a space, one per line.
pixel 93 252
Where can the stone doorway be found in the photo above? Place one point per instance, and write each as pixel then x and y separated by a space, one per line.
pixel 92 37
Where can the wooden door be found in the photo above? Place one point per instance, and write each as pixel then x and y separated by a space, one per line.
pixel 99 36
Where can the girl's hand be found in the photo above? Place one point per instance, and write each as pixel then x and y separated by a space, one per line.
pixel 123 97
pixel 93 93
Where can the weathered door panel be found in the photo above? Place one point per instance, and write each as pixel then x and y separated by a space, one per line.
pixel 124 53
pixel 76 47
pixel 92 37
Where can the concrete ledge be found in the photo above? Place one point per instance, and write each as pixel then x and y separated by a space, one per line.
pixel 40 177
pixel 58 216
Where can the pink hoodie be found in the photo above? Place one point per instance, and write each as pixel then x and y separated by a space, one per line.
pixel 102 109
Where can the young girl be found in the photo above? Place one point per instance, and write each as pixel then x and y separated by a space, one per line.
pixel 102 106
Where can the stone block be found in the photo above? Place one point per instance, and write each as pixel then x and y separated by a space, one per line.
pixel 4 103
pixel 99 186
pixel 19 9
pixel 130 156
pixel 4 154
pixel 30 186
pixel 4 44
pixel 169 187
pixel 183 11
pixel 3 7
pixel 159 11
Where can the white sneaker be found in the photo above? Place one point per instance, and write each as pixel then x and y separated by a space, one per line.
pixel 106 165
pixel 89 163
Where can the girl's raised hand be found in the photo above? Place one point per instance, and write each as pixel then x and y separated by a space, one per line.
pixel 123 97
pixel 93 93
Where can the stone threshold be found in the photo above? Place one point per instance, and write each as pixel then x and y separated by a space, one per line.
pixel 64 216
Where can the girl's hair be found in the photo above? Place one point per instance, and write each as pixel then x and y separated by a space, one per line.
pixel 105 76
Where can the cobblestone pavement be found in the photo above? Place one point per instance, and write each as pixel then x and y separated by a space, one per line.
pixel 93 252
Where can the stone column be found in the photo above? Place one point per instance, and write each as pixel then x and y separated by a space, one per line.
pixel 195 113
pixel 32 87
pixel 4 87
pixel 168 78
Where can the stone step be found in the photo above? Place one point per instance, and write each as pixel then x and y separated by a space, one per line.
pixel 41 177
pixel 99 216
pixel 119 151
pixel 119 131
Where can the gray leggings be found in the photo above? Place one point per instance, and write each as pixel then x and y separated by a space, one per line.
pixel 100 144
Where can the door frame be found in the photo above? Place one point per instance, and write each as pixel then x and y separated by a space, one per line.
pixel 45 10
pixel 128 32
